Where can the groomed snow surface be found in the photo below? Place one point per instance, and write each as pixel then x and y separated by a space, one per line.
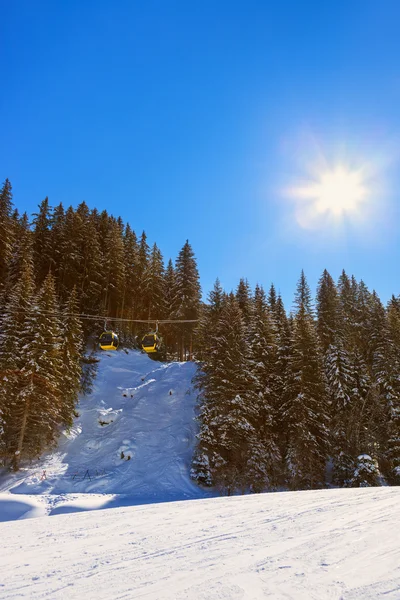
pixel 341 544
pixel 164 539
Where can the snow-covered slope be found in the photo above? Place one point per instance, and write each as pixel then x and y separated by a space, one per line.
pixel 338 544
pixel 134 436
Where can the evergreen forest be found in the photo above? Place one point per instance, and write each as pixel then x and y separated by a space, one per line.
pixel 287 400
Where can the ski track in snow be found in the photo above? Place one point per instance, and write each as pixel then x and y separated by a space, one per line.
pixel 335 544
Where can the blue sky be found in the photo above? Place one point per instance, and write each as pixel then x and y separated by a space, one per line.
pixel 194 120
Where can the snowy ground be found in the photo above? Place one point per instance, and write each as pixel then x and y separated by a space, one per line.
pixel 338 544
pixel 132 443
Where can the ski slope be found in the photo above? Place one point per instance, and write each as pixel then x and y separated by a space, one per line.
pixel 130 450
pixel 331 544
pixel 134 438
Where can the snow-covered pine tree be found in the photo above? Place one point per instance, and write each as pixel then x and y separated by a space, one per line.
pixel 208 320
pixel 244 298
pixel 57 240
pixel 338 372
pixel 393 440
pixel 272 299
pixel 71 353
pixel 327 311
pixel 283 345
pixel 114 268
pixel 188 295
pixel 130 280
pixel 153 286
pixel 21 250
pixel 93 275
pixel 141 268
pixel 42 242
pixel 71 243
pixel 366 472
pixel 230 454
pixel 6 230
pixel 355 320
pixel 305 408
pixel 263 345
pixel 37 409
pixel 12 341
pixel 384 418
pixel 170 331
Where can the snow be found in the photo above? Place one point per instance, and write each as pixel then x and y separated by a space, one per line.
pixel 161 538
pixel 339 544
pixel 134 438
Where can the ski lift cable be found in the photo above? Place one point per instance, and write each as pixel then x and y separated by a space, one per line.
pixel 106 319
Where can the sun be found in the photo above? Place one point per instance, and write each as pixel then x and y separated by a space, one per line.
pixel 338 191
pixel 331 194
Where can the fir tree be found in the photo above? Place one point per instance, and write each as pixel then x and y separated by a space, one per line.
pixel 153 288
pixel 208 320
pixel 12 361
pixel 114 269
pixel 243 296
pixel 6 230
pixel 305 399
pixel 188 294
pixel 93 276
pixel 71 353
pixel 366 472
pixel 327 311
pixel 37 406
pixel 272 299
pixel 142 262
pixel 263 344
pixel 42 242
pixel 230 454
pixel 70 269
pixel 130 289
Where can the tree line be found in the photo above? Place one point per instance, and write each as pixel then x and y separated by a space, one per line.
pixel 63 263
pixel 285 400
pixel 300 400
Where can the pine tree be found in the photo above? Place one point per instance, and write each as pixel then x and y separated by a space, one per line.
pixel 6 230
pixel 37 407
pixel 21 251
pixel 42 242
pixel 114 268
pixel 130 281
pixel 366 472
pixel 208 320
pixel 71 352
pixel 384 415
pixel 153 284
pixel 327 311
pixel 141 268
pixel 264 357
pixel 12 343
pixel 393 404
pixel 57 239
pixel 230 454
pixel 93 276
pixel 70 271
pixel 339 378
pixel 243 295
pixel 305 399
pixel 283 335
pixel 188 295
pixel 272 299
